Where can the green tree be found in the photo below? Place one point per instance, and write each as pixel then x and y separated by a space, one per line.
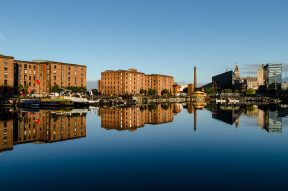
pixel 152 92
pixel 236 91
pixel 55 88
pixel 251 92
pixel 142 91
pixel 210 90
pixel 165 92
pixel 227 91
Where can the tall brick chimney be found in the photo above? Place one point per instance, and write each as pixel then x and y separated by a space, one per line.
pixel 195 77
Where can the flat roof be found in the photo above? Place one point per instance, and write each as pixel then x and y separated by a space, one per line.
pixel 135 71
pixel 56 62
pixel 3 56
pixel 120 70
pixel 48 62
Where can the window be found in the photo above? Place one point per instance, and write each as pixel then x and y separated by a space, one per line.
pixel 54 66
pixel 5 82
pixel 54 77
pixel 25 65
pixel 5 67
pixel 5 75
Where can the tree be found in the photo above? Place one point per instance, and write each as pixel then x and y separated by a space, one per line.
pixel 236 91
pixel 95 92
pixel 251 92
pixel 55 88
pixel 23 89
pixel 227 91
pixel 210 90
pixel 165 92
pixel 152 92
pixel 142 91
pixel 77 89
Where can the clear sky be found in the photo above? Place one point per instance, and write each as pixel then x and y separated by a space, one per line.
pixel 154 36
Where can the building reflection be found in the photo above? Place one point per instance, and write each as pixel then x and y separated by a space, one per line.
pixel 40 127
pixel 267 119
pixel 131 118
pixel 228 115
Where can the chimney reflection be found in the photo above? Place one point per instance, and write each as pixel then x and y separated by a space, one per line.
pixel 43 126
pixel 192 107
pixel 131 118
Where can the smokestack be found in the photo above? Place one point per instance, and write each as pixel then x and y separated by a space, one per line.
pixel 195 77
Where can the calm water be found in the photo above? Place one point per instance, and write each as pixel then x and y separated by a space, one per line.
pixel 164 147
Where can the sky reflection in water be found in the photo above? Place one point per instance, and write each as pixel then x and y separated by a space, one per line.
pixel 160 148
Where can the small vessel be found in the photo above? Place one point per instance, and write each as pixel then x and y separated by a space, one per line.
pixel 233 101
pixel 199 96
pixel 221 100
pixel 29 103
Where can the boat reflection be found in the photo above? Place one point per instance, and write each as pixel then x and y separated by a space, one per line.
pixel 40 127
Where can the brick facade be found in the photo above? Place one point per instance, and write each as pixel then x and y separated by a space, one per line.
pixel 6 76
pixel 38 76
pixel 131 81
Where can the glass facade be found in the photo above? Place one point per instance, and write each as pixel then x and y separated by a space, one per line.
pixel 273 76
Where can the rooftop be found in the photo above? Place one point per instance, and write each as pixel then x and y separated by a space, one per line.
pixel 46 62
pixel 3 56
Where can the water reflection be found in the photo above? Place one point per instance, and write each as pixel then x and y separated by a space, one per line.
pixel 20 127
pixel 268 118
pixel 131 118
pixel 40 127
pixel 192 108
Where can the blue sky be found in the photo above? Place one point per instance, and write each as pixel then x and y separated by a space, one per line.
pixel 154 36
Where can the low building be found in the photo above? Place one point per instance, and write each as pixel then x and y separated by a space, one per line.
pixel 191 89
pixel 284 85
pixel 226 80
pixel 176 90
pixel 250 82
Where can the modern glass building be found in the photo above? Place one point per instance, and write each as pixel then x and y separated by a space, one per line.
pixel 273 76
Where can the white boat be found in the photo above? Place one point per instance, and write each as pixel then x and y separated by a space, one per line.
pixel 233 101
pixel 220 100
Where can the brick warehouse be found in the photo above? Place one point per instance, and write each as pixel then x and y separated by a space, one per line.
pixel 131 81
pixel 38 76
